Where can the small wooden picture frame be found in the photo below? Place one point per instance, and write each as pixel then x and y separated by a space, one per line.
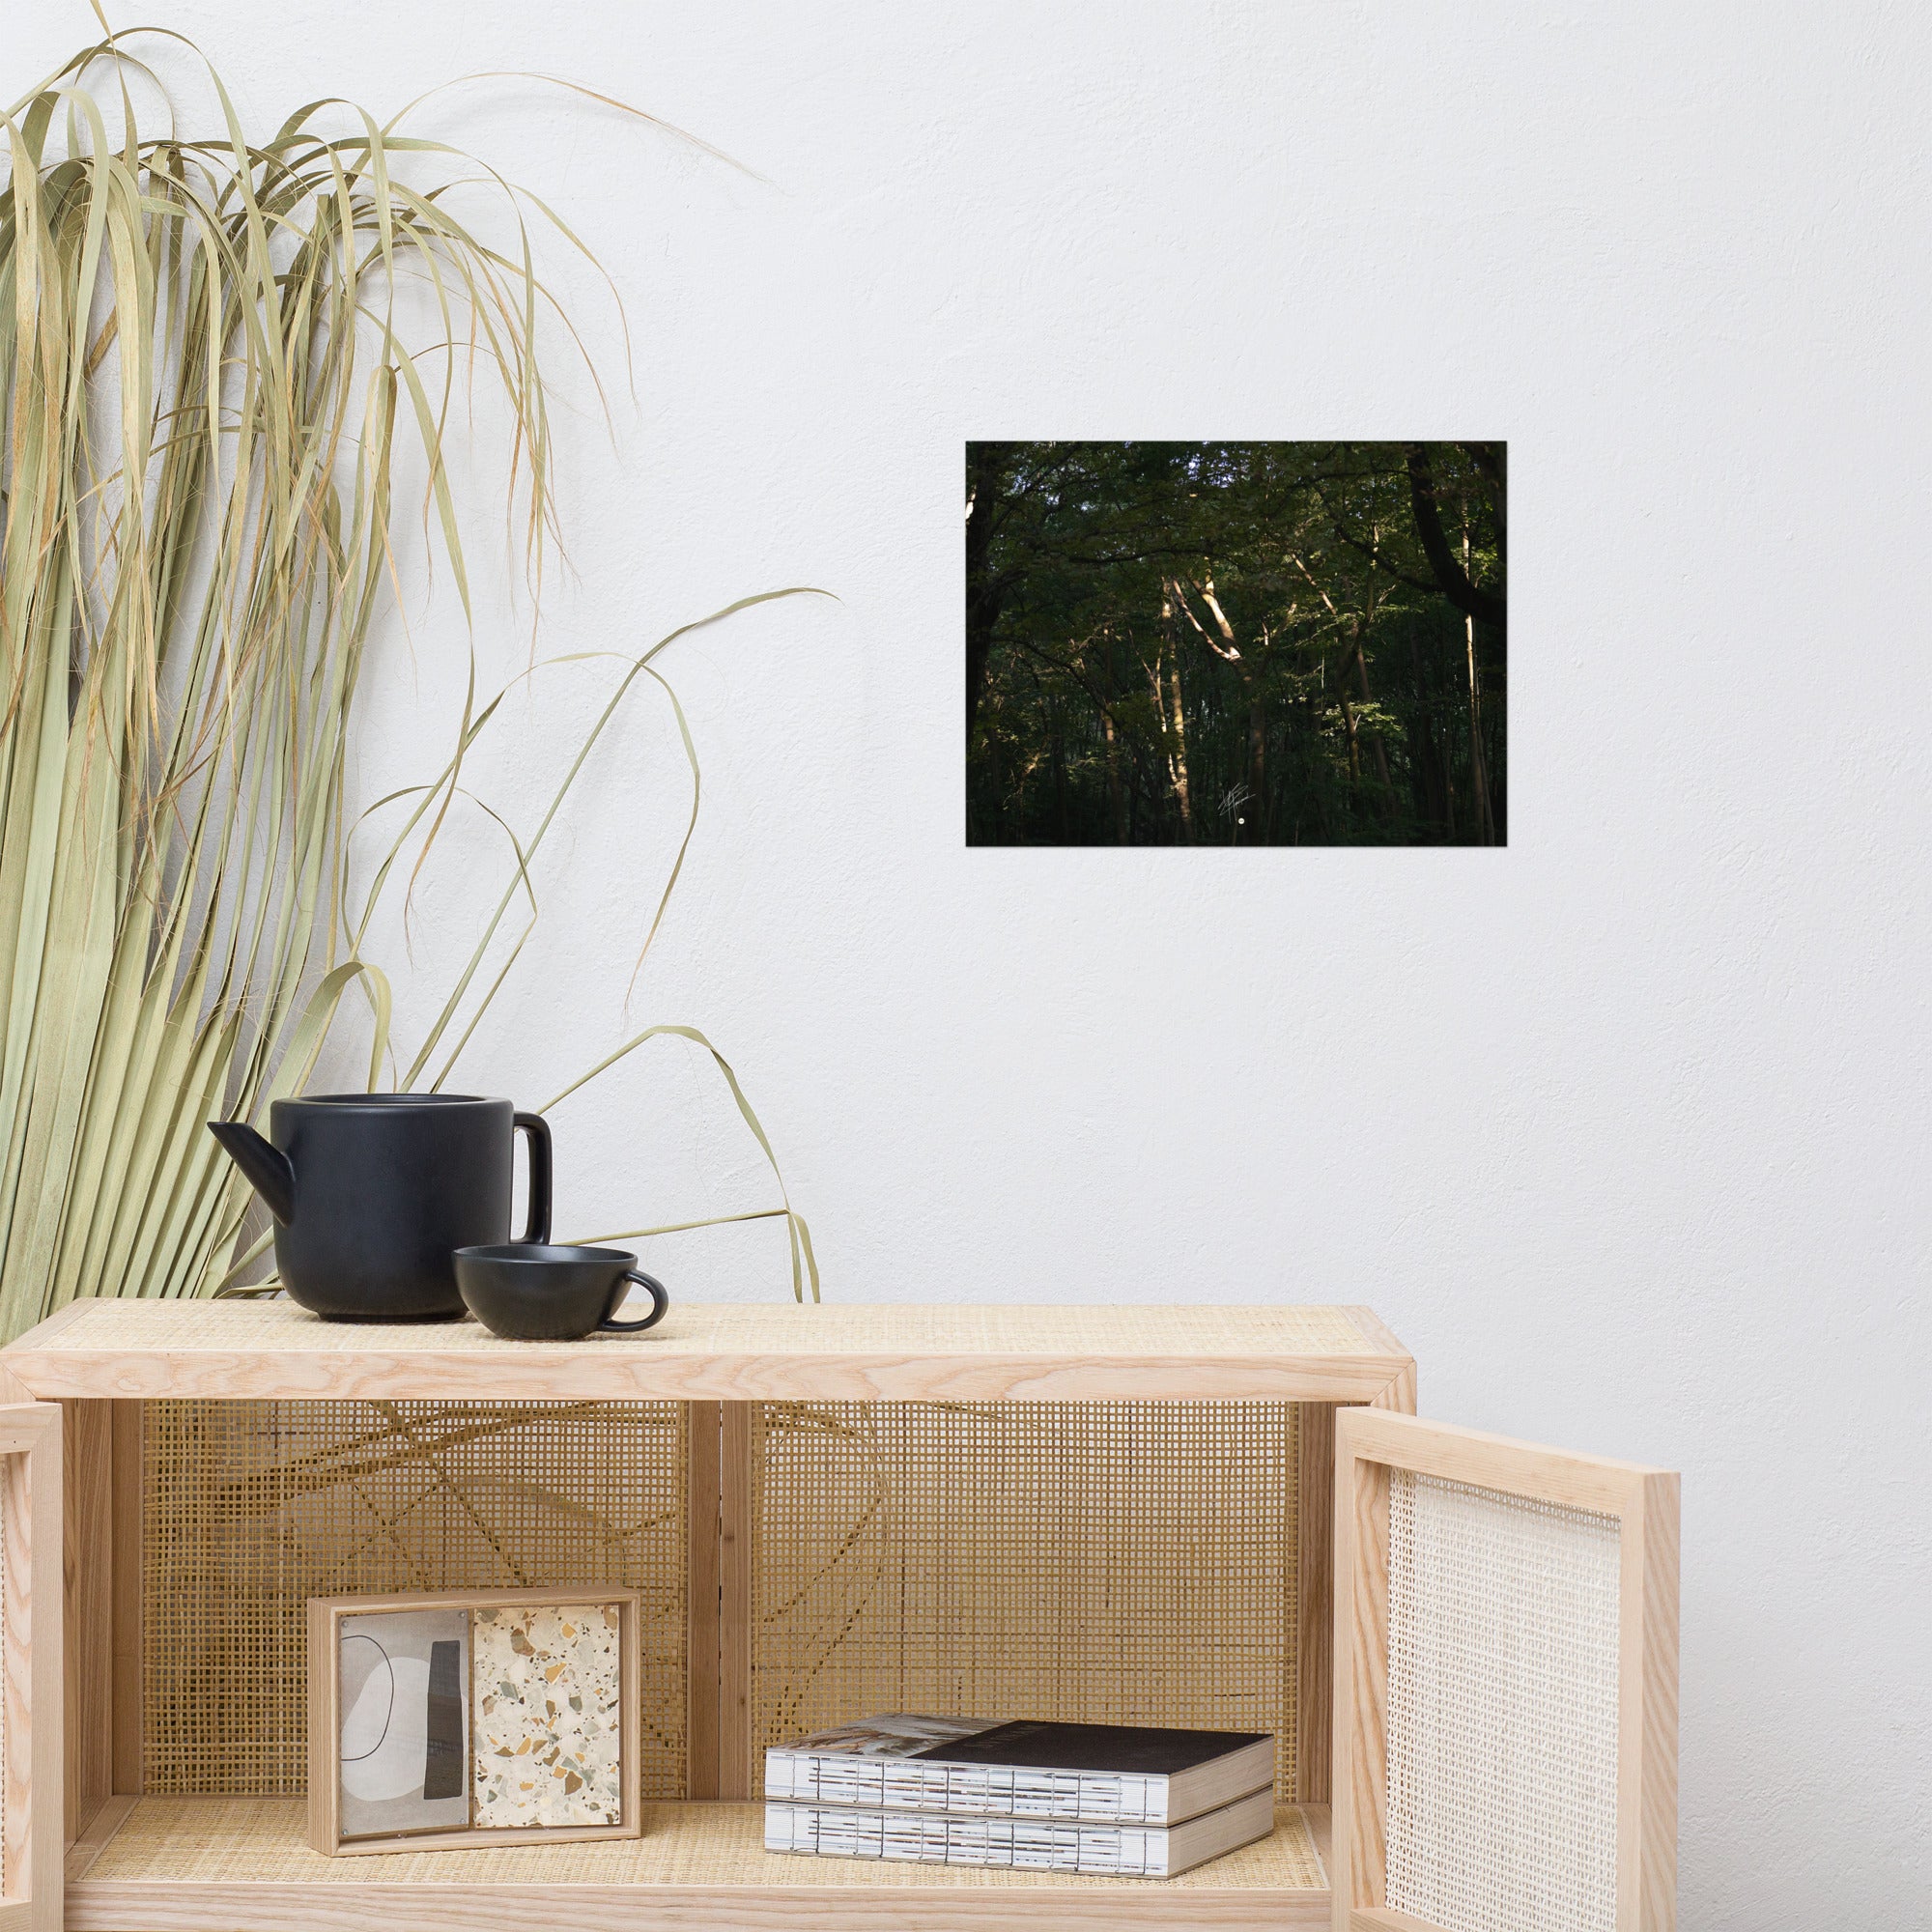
pixel 415 1698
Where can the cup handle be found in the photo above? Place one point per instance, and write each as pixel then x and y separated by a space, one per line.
pixel 659 1299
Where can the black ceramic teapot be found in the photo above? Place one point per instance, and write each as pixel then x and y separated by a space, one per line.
pixel 373 1192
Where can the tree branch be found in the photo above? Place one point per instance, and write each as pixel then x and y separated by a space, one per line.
pixel 1228 650
pixel 1466 597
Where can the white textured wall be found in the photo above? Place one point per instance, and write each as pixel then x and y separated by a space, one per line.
pixel 1624 1130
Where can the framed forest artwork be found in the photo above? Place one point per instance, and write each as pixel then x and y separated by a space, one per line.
pixel 472 1719
pixel 1236 644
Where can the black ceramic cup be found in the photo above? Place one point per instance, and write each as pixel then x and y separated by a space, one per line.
pixel 529 1291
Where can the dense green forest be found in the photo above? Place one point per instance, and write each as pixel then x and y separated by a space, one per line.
pixel 1248 643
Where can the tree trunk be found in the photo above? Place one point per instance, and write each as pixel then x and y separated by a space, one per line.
pixel 983 595
pixel 1258 805
pixel 1251 684
pixel 1486 828
pixel 1430 781
pixel 1362 627
pixel 1116 793
pixel 1058 775
pixel 1179 756
pixel 1115 749
pixel 1375 743
pixel 1486 831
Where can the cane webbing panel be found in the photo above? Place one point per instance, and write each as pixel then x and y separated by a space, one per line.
pixel 209 1842
pixel 250 1508
pixel 1502 1710
pixel 1131 1562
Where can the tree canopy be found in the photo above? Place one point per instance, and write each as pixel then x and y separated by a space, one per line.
pixel 1268 643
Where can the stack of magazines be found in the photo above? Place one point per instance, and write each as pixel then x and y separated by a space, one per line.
pixel 1113 1800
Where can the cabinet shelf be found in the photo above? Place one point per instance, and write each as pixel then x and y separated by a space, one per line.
pixel 240 1865
pixel 727 1352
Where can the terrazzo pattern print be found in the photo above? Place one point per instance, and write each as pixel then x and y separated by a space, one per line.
pixel 548 1722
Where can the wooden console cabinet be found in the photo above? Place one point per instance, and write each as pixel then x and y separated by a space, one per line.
pixel 91 1843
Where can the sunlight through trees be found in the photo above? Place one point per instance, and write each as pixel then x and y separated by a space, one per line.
pixel 1236 644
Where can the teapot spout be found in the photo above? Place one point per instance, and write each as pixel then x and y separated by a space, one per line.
pixel 266 1166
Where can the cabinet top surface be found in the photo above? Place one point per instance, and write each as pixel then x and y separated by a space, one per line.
pixel 729 1352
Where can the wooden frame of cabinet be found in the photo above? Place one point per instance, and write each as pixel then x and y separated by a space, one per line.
pixel 100 1361
pixel 31 1810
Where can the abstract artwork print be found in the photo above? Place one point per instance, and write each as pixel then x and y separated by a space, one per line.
pixel 405 1722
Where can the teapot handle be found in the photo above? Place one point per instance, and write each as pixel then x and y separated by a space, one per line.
pixel 537 1128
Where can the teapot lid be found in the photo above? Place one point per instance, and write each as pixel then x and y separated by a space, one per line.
pixel 388 1101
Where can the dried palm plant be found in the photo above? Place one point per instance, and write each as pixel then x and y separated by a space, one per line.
pixel 209 383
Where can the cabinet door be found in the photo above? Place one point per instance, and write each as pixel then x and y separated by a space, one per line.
pixel 30 1667
pixel 1505 1685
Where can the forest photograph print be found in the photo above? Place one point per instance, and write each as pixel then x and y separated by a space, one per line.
pixel 1236 644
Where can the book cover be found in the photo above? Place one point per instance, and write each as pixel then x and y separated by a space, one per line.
pixel 896 1734
pixel 1142 1749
